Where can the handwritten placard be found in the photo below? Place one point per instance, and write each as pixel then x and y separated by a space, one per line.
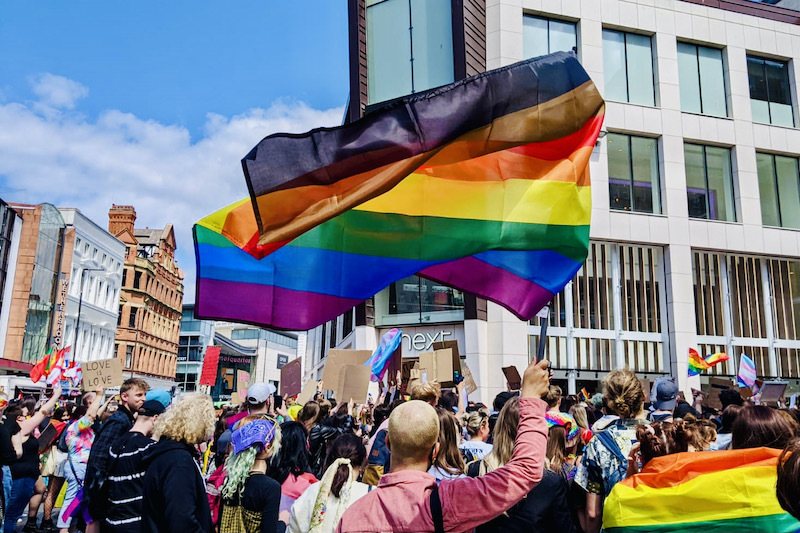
pixel 103 373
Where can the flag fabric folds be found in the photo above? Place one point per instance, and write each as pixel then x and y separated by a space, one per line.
pixel 747 372
pixel 697 363
pixel 731 491
pixel 50 366
pixel 481 185
pixel 380 357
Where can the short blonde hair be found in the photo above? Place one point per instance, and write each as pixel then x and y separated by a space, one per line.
pixel 190 419
pixel 428 392
pixel 413 430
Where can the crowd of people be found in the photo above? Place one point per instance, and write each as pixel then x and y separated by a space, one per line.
pixel 420 458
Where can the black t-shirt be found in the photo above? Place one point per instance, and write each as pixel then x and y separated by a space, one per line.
pixel 263 494
pixel 28 464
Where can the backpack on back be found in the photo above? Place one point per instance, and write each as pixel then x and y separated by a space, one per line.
pixel 214 493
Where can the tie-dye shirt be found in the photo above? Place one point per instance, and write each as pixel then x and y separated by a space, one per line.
pixel 80 437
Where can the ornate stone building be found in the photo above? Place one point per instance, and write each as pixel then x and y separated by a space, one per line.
pixel 149 320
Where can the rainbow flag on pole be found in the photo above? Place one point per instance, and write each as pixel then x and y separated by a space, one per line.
pixel 731 491
pixel 697 363
pixel 482 185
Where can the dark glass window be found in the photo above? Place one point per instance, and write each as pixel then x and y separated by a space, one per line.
pixel 628 66
pixel 779 190
pixel 633 173
pixel 709 182
pixel 770 91
pixel 132 318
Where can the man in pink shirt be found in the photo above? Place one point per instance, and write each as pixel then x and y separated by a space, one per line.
pixel 402 500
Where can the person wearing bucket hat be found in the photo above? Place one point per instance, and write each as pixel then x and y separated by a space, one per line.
pixel 250 499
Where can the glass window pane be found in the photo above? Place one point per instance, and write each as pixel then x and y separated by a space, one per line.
pixel 760 110
pixel 388 51
pixel 619 171
pixel 695 180
pixel 712 81
pixel 432 39
pixel 766 189
pixel 788 191
pixel 562 36
pixel 640 62
pixel 534 37
pixel 616 84
pixel 757 78
pixel 781 114
pixel 720 184
pixel 689 78
pixel 777 82
pixel 646 193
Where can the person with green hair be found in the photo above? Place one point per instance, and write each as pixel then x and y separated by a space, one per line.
pixel 250 499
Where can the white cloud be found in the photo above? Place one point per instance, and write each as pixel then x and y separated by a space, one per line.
pixel 58 91
pixel 120 158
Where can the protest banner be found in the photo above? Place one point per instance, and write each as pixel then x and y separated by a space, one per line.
pixel 513 378
pixel 469 382
pixel 307 392
pixel 440 365
pixel 208 376
pixel 103 373
pixel 336 360
pixel 291 378
pixel 353 383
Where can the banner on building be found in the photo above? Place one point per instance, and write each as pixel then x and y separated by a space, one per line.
pixel 208 376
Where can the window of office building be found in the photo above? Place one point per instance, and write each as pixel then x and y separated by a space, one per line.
pixel 748 305
pixel 541 36
pixel 770 91
pixel 779 189
pixel 633 173
pixel 245 334
pixel 628 65
pixel 132 317
pixel 593 327
pixel 409 47
pixel 702 80
pixel 128 356
pixel 709 182
pixel 415 300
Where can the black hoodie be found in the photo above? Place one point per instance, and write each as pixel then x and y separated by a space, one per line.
pixel 174 490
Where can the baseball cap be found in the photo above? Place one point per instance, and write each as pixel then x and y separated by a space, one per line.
pixel 159 395
pixel 664 394
pixel 259 393
pixel 152 408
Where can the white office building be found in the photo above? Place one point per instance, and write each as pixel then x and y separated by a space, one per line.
pixel 695 190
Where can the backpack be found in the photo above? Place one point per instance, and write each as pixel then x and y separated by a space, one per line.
pixel 62 442
pixel 214 493
pixel 622 470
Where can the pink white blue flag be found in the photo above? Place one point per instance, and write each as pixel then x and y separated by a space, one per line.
pixel 747 372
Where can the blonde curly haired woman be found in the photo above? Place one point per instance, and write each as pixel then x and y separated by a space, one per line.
pixel 251 499
pixel 174 489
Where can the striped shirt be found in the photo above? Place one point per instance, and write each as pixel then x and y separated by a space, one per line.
pixel 125 482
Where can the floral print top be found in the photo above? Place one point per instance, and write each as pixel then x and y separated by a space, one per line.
pixel 80 436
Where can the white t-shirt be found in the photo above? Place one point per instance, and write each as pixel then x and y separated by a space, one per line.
pixel 478 449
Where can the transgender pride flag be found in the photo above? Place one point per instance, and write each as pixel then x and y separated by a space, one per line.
pixel 747 372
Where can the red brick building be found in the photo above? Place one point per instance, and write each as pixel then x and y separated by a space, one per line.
pixel 151 299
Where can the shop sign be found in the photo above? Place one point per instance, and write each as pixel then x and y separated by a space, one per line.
pixel 282 360
pixel 230 359
pixel 61 309
pixel 423 342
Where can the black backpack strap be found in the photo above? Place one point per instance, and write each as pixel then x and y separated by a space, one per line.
pixel 436 511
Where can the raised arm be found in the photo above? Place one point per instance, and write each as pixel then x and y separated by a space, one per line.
pixel 27 426
pixel 499 490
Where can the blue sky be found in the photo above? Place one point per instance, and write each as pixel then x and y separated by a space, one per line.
pixel 154 103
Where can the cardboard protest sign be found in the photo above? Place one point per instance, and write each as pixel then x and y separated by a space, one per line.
pixel 307 392
pixel 336 360
pixel 235 400
pixel 712 390
pixel 458 371
pixel 353 383
pixel 102 373
pixel 469 382
pixel 772 391
pixel 291 377
pixel 513 378
pixel 440 365
pixel 746 392
pixel 242 380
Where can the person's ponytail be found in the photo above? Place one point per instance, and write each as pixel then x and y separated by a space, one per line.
pixel 788 487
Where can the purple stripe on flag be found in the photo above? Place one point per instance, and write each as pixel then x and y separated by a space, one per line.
pixel 265 304
pixel 524 297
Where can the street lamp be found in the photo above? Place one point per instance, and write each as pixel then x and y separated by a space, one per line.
pixel 80 304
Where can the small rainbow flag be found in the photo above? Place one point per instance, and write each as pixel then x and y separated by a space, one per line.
pixel 584 394
pixel 482 185
pixel 731 491
pixel 697 364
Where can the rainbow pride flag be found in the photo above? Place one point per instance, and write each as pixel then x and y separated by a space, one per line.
pixel 482 185
pixel 731 491
pixel 697 363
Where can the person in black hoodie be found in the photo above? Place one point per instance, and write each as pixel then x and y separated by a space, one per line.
pixel 174 489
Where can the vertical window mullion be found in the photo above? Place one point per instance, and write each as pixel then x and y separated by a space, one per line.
pixel 766 81
pixel 548 37
pixel 699 80
pixel 630 166
pixel 411 45
pixel 627 81
pixel 777 190
pixel 708 189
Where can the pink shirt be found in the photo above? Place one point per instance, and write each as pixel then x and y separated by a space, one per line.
pixel 401 502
